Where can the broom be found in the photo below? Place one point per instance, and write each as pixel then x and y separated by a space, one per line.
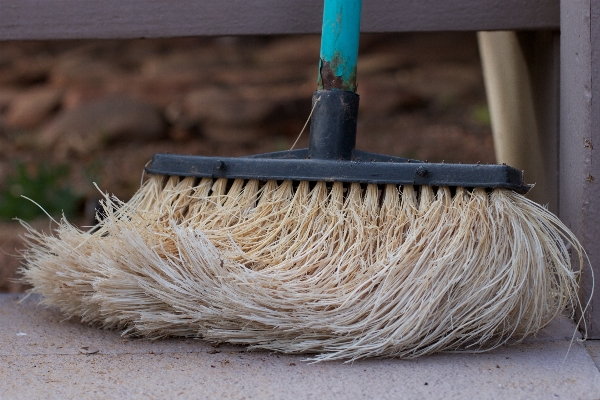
pixel 326 250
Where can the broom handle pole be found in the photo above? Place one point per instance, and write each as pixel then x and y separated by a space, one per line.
pixel 333 123
pixel 339 45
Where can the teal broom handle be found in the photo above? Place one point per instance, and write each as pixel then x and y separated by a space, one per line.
pixel 339 45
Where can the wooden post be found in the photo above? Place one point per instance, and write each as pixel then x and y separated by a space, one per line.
pixel 579 142
pixel 519 80
pixel 541 50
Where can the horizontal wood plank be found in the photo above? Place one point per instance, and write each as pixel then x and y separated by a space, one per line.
pixel 81 19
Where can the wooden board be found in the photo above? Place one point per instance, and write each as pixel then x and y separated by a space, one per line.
pixel 80 19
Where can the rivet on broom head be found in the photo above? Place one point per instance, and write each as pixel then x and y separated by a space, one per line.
pixel 422 171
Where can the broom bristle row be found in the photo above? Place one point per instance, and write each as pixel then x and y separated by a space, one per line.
pixel 341 270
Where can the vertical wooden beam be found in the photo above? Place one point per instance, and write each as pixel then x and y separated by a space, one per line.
pixel 541 50
pixel 579 142
pixel 521 79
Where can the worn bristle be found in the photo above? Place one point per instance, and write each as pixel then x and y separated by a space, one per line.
pixel 343 271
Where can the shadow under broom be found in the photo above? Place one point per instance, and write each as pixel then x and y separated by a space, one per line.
pixel 326 250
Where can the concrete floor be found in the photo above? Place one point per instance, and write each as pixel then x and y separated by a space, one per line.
pixel 44 357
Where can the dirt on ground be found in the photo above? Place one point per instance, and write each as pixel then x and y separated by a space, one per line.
pixel 75 113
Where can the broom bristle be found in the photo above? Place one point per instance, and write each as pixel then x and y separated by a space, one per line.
pixel 343 271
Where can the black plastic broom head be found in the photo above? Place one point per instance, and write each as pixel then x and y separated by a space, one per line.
pixel 331 157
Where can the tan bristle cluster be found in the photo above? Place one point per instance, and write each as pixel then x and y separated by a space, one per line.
pixel 341 271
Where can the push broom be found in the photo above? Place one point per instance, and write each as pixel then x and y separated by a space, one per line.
pixel 326 250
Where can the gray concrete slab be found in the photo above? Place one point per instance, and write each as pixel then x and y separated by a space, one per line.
pixel 42 357
pixel 593 347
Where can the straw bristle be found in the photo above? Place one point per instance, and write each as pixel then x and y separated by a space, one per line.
pixel 343 271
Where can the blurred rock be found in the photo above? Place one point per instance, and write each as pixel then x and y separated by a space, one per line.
pixel 292 106
pixel 25 72
pixel 7 95
pixel 232 135
pixel 5 60
pixel 87 72
pixel 278 93
pixel 265 75
pixel 11 243
pixel 215 105
pixel 382 96
pixel 455 144
pixel 31 107
pixel 91 126
pixel 76 96
pixel 298 49
pixel 377 63
pixel 442 80
pixel 180 133
pixel 179 62
pixel 179 71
